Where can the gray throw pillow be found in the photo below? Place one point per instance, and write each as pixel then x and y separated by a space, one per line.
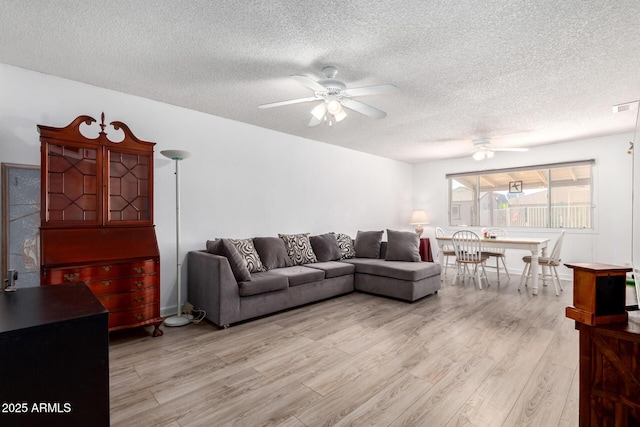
pixel 403 246
pixel 248 252
pixel 214 246
pixel 325 246
pixel 237 263
pixel 345 244
pixel 368 244
pixel 273 252
pixel 299 248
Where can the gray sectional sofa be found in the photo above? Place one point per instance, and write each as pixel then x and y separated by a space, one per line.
pixel 240 279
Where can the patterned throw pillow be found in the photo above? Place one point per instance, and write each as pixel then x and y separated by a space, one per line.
pixel 299 248
pixel 345 243
pixel 248 252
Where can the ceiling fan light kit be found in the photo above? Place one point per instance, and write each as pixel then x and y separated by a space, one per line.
pixel 334 95
pixel 485 151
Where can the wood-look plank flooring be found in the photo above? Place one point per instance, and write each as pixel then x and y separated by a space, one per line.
pixel 463 357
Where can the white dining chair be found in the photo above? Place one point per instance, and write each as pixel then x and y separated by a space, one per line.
pixel 551 263
pixel 444 249
pixel 468 249
pixel 498 253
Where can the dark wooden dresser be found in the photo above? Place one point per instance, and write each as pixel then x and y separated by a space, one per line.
pixel 54 357
pixel 609 346
pixel 610 374
pixel 97 219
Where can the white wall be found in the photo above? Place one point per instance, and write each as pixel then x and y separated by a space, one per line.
pixel 242 181
pixel 608 242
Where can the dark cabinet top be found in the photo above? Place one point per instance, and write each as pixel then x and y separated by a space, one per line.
pixel 45 305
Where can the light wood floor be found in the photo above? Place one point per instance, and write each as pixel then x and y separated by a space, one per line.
pixel 463 357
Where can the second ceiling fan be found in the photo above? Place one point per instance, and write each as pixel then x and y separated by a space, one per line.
pixel 484 150
pixel 334 95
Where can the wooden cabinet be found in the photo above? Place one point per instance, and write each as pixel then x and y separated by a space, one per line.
pixel 128 289
pixel 97 219
pixel 598 293
pixel 609 346
pixel 610 374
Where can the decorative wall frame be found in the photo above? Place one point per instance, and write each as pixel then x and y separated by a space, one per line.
pixel 515 186
pixel 21 222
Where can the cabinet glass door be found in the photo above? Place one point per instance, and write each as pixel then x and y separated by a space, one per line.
pixel 72 196
pixel 129 188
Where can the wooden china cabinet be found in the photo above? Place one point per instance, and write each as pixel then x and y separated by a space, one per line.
pixel 97 219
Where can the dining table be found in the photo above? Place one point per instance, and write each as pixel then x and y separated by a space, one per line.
pixel 536 245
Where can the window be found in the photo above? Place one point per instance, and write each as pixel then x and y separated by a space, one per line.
pixel 544 196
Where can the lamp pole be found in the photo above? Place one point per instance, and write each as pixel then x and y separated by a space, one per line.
pixel 179 319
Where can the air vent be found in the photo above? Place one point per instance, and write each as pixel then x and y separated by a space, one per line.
pixel 627 106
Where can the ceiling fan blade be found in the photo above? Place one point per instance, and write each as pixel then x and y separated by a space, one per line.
pixel 289 102
pixel 510 149
pixel 309 82
pixel 371 90
pixel 363 108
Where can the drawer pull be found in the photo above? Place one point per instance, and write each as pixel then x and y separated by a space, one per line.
pixel 138 299
pixel 106 298
pixel 71 277
pixel 139 316
pixel 138 283
pixel 106 282
pixel 106 267
pixel 138 270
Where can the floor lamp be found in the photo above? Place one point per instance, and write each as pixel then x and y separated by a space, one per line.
pixel 179 319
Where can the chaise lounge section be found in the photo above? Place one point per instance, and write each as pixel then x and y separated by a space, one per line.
pixel 240 279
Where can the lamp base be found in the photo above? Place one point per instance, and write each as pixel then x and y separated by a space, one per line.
pixel 419 230
pixel 176 320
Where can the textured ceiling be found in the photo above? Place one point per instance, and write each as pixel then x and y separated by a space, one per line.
pixel 521 72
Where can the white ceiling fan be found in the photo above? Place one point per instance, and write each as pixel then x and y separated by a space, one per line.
pixel 334 95
pixel 484 150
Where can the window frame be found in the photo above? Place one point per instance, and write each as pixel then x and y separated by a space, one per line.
pixel 548 167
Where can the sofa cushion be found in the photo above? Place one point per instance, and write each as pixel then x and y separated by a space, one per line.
pixel 299 275
pixel 411 271
pixel 299 248
pixel 261 283
pixel 214 246
pixel 368 244
pixel 403 246
pixel 333 268
pixel 249 254
pixel 272 251
pixel 325 246
pixel 237 263
pixel 345 244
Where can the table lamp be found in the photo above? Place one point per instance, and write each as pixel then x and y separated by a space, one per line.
pixel 418 218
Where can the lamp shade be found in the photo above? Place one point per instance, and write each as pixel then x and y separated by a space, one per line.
pixel 419 217
pixel 176 154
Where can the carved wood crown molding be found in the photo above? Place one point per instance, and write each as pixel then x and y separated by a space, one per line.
pixel 72 132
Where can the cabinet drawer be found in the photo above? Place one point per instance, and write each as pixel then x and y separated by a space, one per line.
pixel 93 272
pixel 127 300
pixel 134 316
pixel 111 286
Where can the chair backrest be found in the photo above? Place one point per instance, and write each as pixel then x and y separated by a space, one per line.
pixel 467 246
pixel 498 232
pixel 442 246
pixel 555 254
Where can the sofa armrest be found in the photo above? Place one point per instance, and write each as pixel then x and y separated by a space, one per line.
pixel 212 287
